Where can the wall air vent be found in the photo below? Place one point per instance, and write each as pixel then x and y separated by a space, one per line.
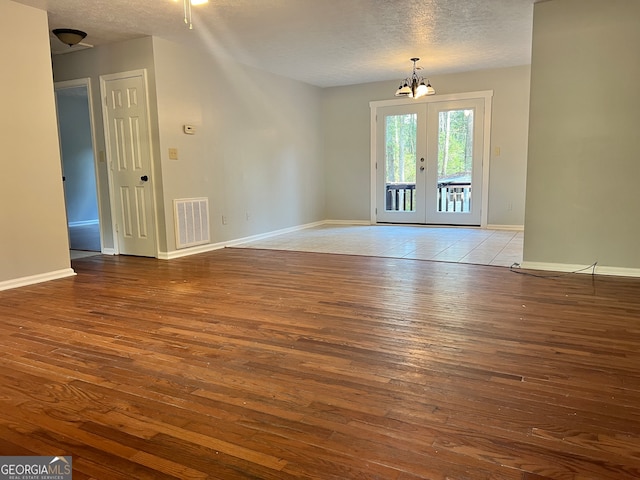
pixel 192 221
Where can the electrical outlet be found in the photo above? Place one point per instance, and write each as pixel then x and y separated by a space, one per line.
pixel 247 214
pixel 173 154
pixel 224 219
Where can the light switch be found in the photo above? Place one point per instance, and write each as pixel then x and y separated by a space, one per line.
pixel 173 154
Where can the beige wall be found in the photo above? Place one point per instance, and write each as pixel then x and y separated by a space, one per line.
pixel 583 169
pixel 91 63
pixel 33 228
pixel 256 151
pixel 346 126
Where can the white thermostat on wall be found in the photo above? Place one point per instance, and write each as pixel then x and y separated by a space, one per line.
pixel 189 129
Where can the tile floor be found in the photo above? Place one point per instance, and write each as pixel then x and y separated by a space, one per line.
pixel 445 244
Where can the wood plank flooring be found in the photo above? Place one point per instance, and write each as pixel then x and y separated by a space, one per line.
pixel 258 364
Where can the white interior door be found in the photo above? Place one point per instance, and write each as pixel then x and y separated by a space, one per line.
pixel 129 153
pixel 429 161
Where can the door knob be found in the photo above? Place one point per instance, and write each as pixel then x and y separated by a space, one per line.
pixel 422 168
pixel 144 178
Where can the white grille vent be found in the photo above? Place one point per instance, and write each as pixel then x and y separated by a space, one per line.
pixel 192 221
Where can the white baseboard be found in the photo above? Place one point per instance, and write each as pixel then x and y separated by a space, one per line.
pixel 618 271
pixel 588 269
pixel 183 252
pixel 515 228
pixel 83 223
pixel 346 222
pixel 274 233
pixel 39 278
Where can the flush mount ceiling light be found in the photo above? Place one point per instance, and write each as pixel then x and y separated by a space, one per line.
pixel 69 36
pixel 414 86
pixel 188 16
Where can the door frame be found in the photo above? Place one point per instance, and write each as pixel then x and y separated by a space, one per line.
pixel 103 99
pixel 484 95
pixel 86 82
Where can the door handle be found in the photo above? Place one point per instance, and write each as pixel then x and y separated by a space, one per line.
pixel 144 178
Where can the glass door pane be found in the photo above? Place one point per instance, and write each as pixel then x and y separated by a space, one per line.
pixel 400 162
pixel 455 160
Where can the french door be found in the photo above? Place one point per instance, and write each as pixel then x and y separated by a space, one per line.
pixel 429 162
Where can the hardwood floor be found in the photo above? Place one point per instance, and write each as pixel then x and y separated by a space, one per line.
pixel 241 363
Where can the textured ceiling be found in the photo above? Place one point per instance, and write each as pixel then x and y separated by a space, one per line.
pixel 321 42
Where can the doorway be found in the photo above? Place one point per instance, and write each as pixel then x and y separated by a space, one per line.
pixel 430 160
pixel 75 126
